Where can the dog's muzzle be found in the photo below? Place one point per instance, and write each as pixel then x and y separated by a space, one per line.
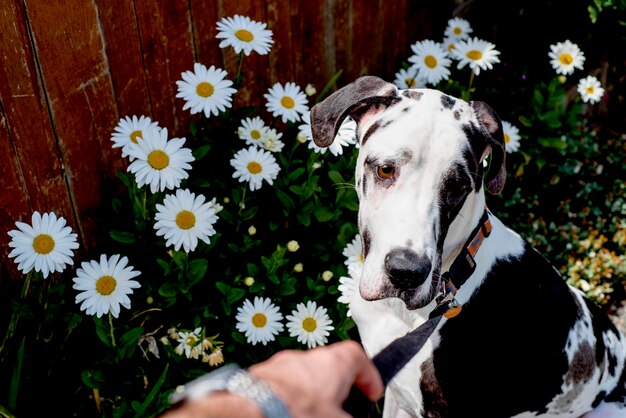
pixel 406 269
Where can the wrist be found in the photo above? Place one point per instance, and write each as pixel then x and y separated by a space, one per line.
pixel 233 380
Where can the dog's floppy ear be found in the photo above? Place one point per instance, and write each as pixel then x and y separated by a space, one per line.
pixel 492 129
pixel 354 100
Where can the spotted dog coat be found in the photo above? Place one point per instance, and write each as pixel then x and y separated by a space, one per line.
pixel 525 343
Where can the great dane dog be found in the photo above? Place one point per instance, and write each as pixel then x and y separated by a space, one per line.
pixel 524 344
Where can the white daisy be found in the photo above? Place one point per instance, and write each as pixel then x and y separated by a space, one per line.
pixel 184 218
pixel 409 78
pixel 354 252
pixel 476 53
pixel 271 141
pixel 288 102
pixel 566 57
pixel 158 162
pixel 129 129
pixel 449 44
pixel 349 285
pixel 105 285
pixel 458 29
pixel 432 61
pixel 45 246
pixel 590 89
pixel 310 324
pixel 259 321
pixel 255 165
pixel 205 90
pixel 216 206
pixel 511 136
pixel 190 343
pixel 244 34
pixel 252 130
pixel 346 135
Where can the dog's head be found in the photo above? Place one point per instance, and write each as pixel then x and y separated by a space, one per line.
pixel 419 178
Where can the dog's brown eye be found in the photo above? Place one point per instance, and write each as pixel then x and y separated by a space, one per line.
pixel 385 171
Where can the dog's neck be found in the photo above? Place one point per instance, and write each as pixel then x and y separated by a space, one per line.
pixel 467 219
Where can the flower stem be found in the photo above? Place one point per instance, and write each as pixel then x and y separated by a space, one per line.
pixel 111 325
pixel 239 77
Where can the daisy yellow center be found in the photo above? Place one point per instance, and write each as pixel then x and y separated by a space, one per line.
pixel 158 159
pixel 507 138
pixel 430 61
pixel 205 89
pixel 244 35
pixel 361 257
pixel 185 219
pixel 565 58
pixel 106 285
pixel 259 320
pixel 410 82
pixel 309 324
pixel 589 90
pixel 254 167
pixel 287 102
pixel 134 135
pixel 474 55
pixel 255 134
pixel 451 47
pixel 457 31
pixel 43 244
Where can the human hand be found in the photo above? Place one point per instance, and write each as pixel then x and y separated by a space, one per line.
pixel 315 383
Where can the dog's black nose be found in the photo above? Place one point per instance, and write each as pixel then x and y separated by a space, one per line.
pixel 406 269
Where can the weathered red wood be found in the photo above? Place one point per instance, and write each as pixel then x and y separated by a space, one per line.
pixel 167 45
pixel 123 51
pixel 76 77
pixel 97 61
pixel 31 172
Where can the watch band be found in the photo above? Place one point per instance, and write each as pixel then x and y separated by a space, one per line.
pixel 233 379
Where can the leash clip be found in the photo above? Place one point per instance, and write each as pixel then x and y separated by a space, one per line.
pixel 447 297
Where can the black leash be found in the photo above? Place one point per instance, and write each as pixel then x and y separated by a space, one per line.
pixel 391 359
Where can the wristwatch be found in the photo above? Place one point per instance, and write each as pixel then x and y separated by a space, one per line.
pixel 232 378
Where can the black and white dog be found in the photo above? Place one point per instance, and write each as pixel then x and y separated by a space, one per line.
pixel 524 344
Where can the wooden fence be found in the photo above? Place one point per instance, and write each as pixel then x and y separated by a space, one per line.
pixel 69 70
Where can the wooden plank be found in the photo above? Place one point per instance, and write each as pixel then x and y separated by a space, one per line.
pixel 31 174
pixel 76 77
pixel 281 57
pixel 167 46
pixel 123 51
pixel 205 15
pixel 309 41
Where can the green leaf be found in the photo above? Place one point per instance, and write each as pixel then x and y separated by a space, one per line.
pixel 234 295
pixel 324 214
pixel 168 290
pixel 141 409
pixel 122 236
pixel 103 330
pixel 93 379
pixel 164 265
pixel 128 342
pixel 553 142
pixel 336 176
pixel 304 219
pixel 296 173
pixel 16 377
pixel 201 151
pixel 197 269
pixel 123 178
pixel 284 198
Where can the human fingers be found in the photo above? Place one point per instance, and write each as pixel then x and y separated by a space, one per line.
pixel 360 368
